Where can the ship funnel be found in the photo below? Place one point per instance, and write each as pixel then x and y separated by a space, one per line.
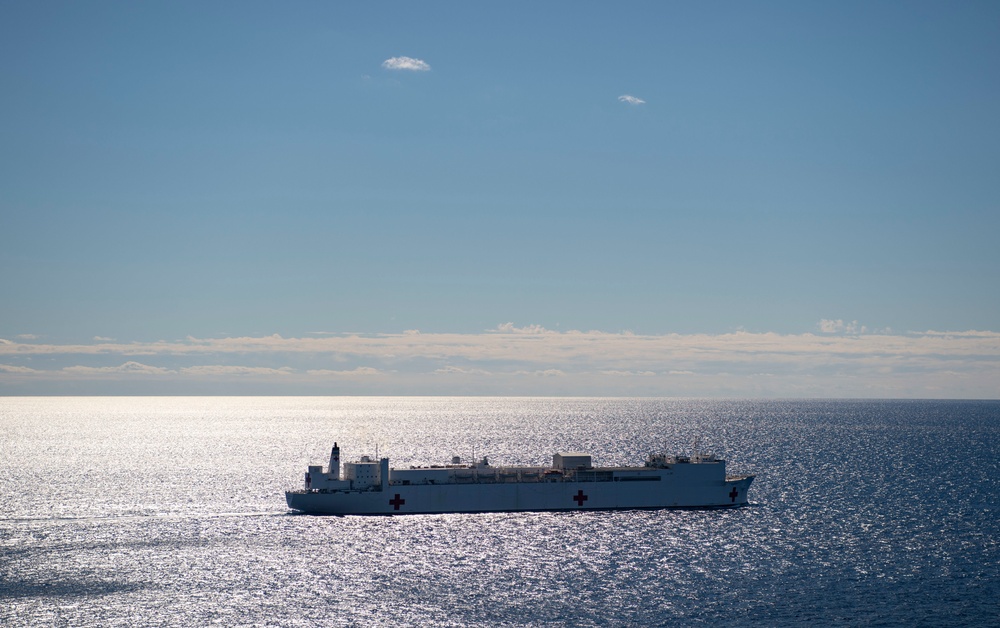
pixel 335 462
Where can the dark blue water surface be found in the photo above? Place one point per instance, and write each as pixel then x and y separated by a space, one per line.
pixel 170 511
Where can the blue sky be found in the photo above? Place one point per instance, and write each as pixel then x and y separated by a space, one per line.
pixel 177 176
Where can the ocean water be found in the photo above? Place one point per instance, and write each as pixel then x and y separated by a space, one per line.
pixel 171 512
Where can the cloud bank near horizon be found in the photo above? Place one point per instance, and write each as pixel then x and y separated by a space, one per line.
pixel 844 360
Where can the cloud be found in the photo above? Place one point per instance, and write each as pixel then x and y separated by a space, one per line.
pixel 103 339
pixel 536 344
pixel 838 326
pixel 629 373
pixel 454 370
pixel 6 368
pixel 405 63
pixel 128 368
pixel 509 328
pixel 28 337
pixel 213 370
pixel 961 334
pixel 545 373
pixel 631 100
pixel 361 371
pixel 841 360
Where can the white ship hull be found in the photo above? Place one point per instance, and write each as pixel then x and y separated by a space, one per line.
pixel 457 498
pixel 375 489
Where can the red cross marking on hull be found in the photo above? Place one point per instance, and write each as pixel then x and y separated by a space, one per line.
pixel 397 502
pixel 733 493
pixel 580 497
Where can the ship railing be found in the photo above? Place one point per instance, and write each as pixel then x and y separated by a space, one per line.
pixel 499 475
pixel 593 476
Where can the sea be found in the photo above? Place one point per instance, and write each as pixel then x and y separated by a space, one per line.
pixel 170 511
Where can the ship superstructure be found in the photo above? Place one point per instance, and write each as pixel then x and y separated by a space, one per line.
pixel 372 487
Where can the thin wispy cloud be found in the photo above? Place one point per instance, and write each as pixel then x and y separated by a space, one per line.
pixel 128 368
pixel 361 371
pixel 838 326
pixel 455 370
pixel 509 328
pixel 545 373
pixel 631 100
pixel 629 373
pixel 406 63
pixel 255 371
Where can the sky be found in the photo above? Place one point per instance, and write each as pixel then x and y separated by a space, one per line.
pixel 775 199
